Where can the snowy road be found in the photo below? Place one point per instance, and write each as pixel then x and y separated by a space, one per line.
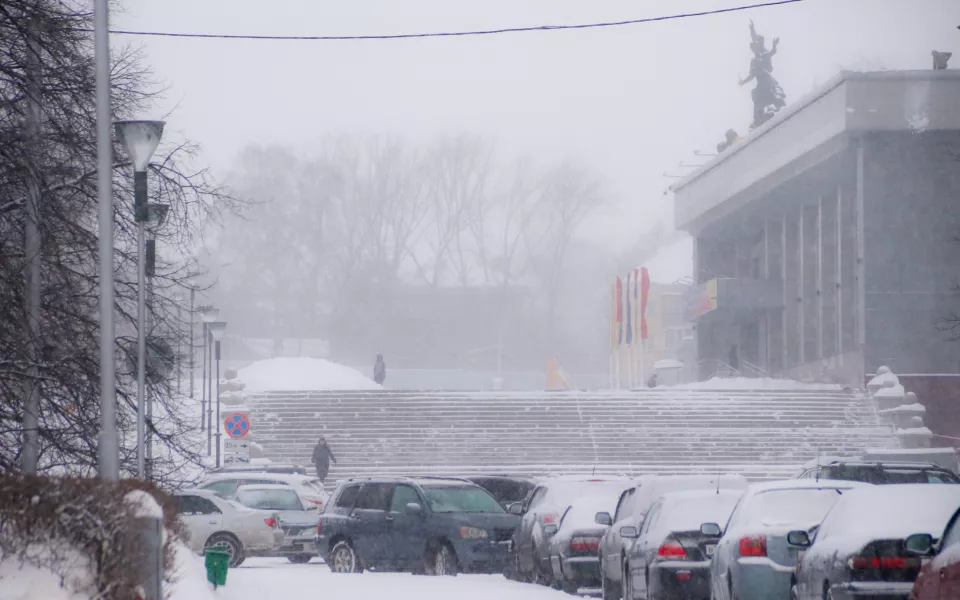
pixel 264 578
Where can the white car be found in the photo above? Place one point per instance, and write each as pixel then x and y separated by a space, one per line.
pixel 308 488
pixel 299 524
pixel 213 522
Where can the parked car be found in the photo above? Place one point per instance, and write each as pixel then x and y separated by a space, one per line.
pixel 876 472
pixel 859 550
pixel 753 559
pixel 213 522
pixel 288 468
pixel 299 523
pixel 633 505
pixel 670 554
pixel 440 526
pixel 573 546
pixel 939 578
pixel 225 484
pixel 544 506
pixel 507 489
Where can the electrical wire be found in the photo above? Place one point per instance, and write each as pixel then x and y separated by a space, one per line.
pixel 400 36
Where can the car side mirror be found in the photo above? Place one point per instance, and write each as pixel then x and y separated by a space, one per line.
pixel 710 530
pixel 412 508
pixel 603 518
pixel 629 532
pixel 550 528
pixel 515 508
pixel 799 538
pixel 919 544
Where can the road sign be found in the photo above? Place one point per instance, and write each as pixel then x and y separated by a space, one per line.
pixel 237 425
pixel 236 452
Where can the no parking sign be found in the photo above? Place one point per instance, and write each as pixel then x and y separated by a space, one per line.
pixel 237 425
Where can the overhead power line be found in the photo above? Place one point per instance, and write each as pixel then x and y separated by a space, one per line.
pixel 400 36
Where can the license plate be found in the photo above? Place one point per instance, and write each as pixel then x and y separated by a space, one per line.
pixel 709 549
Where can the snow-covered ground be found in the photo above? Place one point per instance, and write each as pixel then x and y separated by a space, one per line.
pixel 261 578
pixel 756 384
pixel 302 374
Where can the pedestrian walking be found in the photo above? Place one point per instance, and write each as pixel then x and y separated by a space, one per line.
pixel 652 382
pixel 379 370
pixel 322 455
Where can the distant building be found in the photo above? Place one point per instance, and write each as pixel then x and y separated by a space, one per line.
pixel 826 241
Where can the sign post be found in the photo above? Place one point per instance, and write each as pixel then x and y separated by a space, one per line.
pixel 236 449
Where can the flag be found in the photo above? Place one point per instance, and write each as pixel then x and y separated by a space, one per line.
pixel 619 311
pixel 636 304
pixel 644 295
pixel 613 316
pixel 629 314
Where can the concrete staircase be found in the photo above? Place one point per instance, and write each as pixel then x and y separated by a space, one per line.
pixel 763 435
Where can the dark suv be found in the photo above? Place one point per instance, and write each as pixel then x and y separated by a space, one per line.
pixel 438 526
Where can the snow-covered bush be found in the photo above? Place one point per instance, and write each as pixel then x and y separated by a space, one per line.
pixel 82 531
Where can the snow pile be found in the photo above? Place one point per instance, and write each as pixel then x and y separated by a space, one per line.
pixel 303 374
pixel 764 384
pixel 895 511
pixel 190 577
pixel 22 580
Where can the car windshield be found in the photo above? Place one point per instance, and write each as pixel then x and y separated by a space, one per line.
pixel 450 499
pixel 787 507
pixel 269 499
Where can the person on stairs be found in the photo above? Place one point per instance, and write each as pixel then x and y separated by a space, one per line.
pixel 322 455
pixel 379 370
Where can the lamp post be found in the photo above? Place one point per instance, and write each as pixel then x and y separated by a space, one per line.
pixel 178 297
pixel 139 140
pixel 216 331
pixel 156 217
pixel 209 315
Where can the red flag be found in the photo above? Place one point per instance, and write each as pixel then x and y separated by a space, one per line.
pixel 619 311
pixel 644 294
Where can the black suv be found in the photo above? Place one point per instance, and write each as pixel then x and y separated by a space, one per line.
pixel 438 526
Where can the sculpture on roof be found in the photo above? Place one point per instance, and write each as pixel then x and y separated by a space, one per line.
pixel 729 139
pixel 940 60
pixel 768 96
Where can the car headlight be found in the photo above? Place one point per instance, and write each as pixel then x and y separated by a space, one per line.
pixel 473 533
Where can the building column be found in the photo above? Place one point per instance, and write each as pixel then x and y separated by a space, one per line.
pixel 820 278
pixel 801 280
pixel 784 354
pixel 860 271
pixel 838 280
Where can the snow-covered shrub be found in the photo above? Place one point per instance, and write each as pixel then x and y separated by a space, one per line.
pixel 66 525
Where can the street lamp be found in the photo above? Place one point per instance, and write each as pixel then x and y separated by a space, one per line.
pixel 209 315
pixel 139 140
pixel 216 331
pixel 156 217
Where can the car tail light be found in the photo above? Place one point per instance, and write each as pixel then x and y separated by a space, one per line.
pixel 883 562
pixel 671 550
pixel 585 544
pixel 270 521
pixel 550 518
pixel 320 502
pixel 753 545
pixel 319 526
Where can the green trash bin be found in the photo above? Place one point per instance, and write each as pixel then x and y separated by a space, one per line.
pixel 217 563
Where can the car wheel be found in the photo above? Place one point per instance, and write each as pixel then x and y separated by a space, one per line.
pixel 229 544
pixel 731 592
pixel 299 559
pixel 610 590
pixel 441 561
pixel 344 559
pixel 518 572
pixel 627 584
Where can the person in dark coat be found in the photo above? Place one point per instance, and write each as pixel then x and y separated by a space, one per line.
pixel 379 370
pixel 652 382
pixel 322 455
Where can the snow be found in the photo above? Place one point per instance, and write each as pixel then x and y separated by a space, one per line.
pixel 761 383
pixel 904 410
pixel 190 577
pixel 302 374
pixel 276 578
pixel 144 504
pixel 892 511
pixel 25 581
pixel 686 511
pixel 890 391
pixel 918 431
pixel 654 486
pixel 582 514
pixel 672 262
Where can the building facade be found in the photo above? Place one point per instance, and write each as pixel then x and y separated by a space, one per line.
pixel 826 241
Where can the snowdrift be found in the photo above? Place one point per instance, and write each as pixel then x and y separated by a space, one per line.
pixel 302 374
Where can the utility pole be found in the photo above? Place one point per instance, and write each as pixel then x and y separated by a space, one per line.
pixel 33 252
pixel 109 455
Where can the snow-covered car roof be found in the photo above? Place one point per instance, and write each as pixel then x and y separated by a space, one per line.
pixel 804 484
pixel 585 478
pixel 265 486
pixel 286 477
pixel 893 511
pixel 687 510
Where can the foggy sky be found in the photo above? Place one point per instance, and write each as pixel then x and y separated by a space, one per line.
pixel 630 101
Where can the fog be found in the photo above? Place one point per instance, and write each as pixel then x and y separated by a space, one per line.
pixel 620 108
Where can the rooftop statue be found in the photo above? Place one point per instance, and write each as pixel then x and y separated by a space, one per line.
pixel 768 96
